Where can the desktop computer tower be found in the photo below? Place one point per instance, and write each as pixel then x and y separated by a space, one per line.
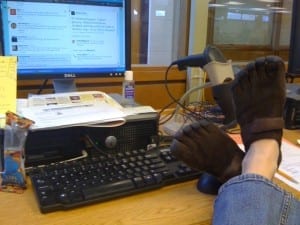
pixel 54 145
pixel 139 132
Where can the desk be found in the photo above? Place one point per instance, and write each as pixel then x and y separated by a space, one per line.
pixel 179 204
pixel 291 76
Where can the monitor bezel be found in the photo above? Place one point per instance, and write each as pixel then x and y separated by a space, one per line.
pixel 66 75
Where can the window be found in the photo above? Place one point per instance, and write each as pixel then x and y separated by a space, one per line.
pixel 159 31
pixel 242 29
pixel 245 29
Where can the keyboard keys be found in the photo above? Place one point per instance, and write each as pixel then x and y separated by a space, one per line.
pixel 105 176
pixel 108 189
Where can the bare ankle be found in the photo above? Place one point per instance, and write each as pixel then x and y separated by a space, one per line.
pixel 262 158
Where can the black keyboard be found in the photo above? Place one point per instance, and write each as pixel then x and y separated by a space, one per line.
pixel 102 177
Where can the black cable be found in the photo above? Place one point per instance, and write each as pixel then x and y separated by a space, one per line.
pixel 168 116
pixel 177 101
pixel 196 114
pixel 42 86
pixel 94 145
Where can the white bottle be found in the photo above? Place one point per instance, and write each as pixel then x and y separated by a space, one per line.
pixel 128 88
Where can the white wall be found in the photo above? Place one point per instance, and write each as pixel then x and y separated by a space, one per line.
pixel 161 13
pixel 197 43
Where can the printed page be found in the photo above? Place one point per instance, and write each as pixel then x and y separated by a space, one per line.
pixel 92 108
pixel 289 169
pixel 72 98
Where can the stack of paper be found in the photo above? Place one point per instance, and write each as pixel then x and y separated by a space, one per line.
pixel 289 169
pixel 90 108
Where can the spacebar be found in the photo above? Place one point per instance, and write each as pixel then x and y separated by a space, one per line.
pixel 107 189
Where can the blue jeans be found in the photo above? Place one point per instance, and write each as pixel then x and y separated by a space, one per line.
pixel 252 199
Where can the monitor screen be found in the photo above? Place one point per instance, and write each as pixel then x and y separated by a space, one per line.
pixel 294 50
pixel 67 38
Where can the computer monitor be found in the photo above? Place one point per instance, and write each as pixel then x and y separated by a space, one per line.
pixel 67 39
pixel 294 53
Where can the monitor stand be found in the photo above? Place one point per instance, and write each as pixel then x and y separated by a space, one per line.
pixel 64 85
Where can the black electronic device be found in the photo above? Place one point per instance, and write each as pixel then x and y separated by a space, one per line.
pixel 220 79
pixel 120 161
pixel 294 50
pixel 104 176
pixel 54 145
pixel 292 106
pixel 139 131
pixel 67 39
pixel 210 53
pixel 208 184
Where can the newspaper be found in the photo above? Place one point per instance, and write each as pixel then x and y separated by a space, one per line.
pixel 289 169
pixel 88 108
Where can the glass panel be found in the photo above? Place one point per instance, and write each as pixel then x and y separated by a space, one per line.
pixel 250 22
pixel 285 29
pixel 157 37
pixel 240 22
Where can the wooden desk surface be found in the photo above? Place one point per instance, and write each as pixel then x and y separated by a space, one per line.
pixel 176 204
pixel 179 204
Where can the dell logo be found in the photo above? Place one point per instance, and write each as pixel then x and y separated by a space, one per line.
pixel 69 75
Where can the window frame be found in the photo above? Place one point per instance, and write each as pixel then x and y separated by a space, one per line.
pixel 249 52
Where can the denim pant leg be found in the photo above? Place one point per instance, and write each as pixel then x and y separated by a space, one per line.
pixel 251 199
